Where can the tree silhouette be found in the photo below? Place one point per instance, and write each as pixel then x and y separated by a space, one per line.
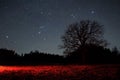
pixel 80 34
pixel 8 56
pixel 94 55
pixel 115 50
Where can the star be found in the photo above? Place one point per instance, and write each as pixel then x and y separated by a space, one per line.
pixel 44 39
pixel 41 12
pixel 39 32
pixel 7 36
pixel 49 13
pixel 32 36
pixel 92 11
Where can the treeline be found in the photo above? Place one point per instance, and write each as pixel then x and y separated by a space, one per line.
pixel 92 55
pixel 10 57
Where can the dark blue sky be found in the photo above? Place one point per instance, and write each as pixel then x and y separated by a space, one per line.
pixel 27 25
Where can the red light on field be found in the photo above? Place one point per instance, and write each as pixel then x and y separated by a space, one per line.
pixel 2 68
pixel 74 71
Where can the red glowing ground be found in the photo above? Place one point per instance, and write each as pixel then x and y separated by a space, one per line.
pixel 68 72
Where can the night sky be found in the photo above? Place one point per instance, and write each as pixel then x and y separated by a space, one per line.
pixel 27 25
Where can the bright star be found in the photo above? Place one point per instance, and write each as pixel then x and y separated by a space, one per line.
pixel 7 37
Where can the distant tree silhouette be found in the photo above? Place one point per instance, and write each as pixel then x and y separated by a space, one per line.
pixel 8 56
pixel 6 52
pixel 36 58
pixel 94 55
pixel 115 50
pixel 78 35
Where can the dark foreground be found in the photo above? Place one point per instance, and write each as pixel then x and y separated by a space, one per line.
pixel 68 72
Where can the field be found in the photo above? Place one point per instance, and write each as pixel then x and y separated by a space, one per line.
pixel 67 72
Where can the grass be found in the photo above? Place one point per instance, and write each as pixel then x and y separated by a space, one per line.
pixel 59 72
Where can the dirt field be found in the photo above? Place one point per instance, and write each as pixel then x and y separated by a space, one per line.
pixel 68 72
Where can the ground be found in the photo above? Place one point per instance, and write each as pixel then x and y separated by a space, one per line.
pixel 61 72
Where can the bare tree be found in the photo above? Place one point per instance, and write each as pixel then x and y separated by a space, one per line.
pixel 79 34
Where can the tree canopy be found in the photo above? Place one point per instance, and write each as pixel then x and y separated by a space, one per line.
pixel 81 33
